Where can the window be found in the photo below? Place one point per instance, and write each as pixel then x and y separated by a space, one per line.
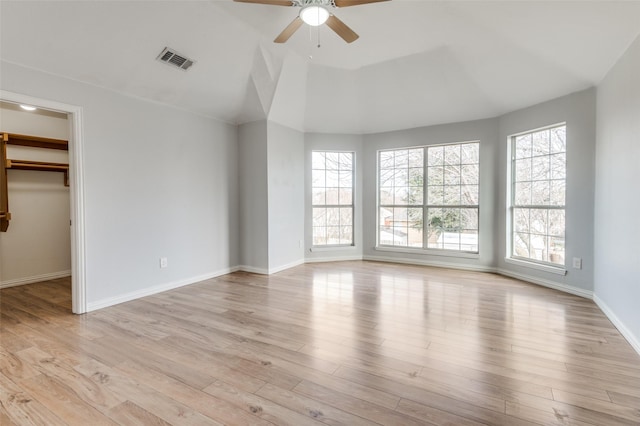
pixel 436 183
pixel 538 181
pixel 332 198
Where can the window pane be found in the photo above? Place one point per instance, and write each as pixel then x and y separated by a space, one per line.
pixel 541 143
pixel 558 166
pixel 346 216
pixel 317 160
pixel 332 196
pixel 346 234
pixel 386 195
pixel 452 175
pixel 452 195
pixel 386 160
pixel 558 139
pixel 540 168
pixel 415 195
pixel 435 195
pixel 401 195
pixel 402 159
pixel 416 158
pixel 452 179
pixel 523 146
pixel 452 154
pixel 521 220
pixel 318 195
pixel 318 179
pixel 557 193
pixel 523 169
pixel 521 244
pixel 469 196
pixel 556 223
pixel 332 185
pixel 319 235
pixel 319 216
pixel 345 179
pixel 346 161
pixel 470 153
pixel 469 174
pixel 332 178
pixel 435 156
pixel 538 222
pixel 522 193
pixel 435 176
pixel 538 233
pixel 346 196
pixel 333 160
pixel 540 193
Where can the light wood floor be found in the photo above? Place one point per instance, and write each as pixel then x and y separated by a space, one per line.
pixel 339 343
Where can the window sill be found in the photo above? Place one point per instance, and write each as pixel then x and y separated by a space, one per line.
pixel 444 253
pixel 558 270
pixel 332 248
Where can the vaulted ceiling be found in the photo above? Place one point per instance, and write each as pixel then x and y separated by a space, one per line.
pixel 416 63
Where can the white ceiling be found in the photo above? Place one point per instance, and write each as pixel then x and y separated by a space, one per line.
pixel 416 63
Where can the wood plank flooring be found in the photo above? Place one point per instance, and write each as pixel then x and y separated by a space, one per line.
pixel 353 343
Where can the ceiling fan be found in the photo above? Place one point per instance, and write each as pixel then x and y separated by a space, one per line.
pixel 315 13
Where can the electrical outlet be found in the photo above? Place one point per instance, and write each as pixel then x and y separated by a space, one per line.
pixel 164 262
pixel 577 263
pixel 301 243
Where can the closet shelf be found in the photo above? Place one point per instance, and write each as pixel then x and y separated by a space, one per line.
pixel 42 166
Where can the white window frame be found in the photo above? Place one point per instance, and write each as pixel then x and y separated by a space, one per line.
pixel 551 267
pixel 320 247
pixel 425 208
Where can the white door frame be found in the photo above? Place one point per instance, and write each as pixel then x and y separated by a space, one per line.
pixel 76 183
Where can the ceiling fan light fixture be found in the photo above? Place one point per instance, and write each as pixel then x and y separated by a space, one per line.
pixel 314 15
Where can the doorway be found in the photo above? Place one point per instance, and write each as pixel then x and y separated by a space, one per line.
pixel 76 188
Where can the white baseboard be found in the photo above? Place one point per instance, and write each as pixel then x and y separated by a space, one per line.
pixel 588 294
pixel 462 266
pixel 35 279
pixel 287 266
pixel 633 340
pixel 263 271
pixel 253 270
pixel 110 301
pixel 331 259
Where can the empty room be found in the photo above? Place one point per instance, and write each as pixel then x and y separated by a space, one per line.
pixel 292 212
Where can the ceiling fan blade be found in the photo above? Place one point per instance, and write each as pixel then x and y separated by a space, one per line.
pixel 271 2
pixel 288 32
pixel 342 29
pixel 347 3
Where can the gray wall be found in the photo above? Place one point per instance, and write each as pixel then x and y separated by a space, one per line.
pixel 483 130
pixel 334 142
pixel 158 182
pixel 578 111
pixel 285 158
pixel 617 199
pixel 254 216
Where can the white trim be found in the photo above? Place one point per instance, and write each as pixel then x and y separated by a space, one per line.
pixel 462 266
pixel 633 340
pixel 331 259
pixel 558 270
pixel 35 279
pixel 320 249
pixel 429 252
pixel 588 294
pixel 76 178
pixel 284 267
pixel 253 270
pixel 110 301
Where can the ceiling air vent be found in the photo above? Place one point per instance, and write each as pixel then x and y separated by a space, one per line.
pixel 171 57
